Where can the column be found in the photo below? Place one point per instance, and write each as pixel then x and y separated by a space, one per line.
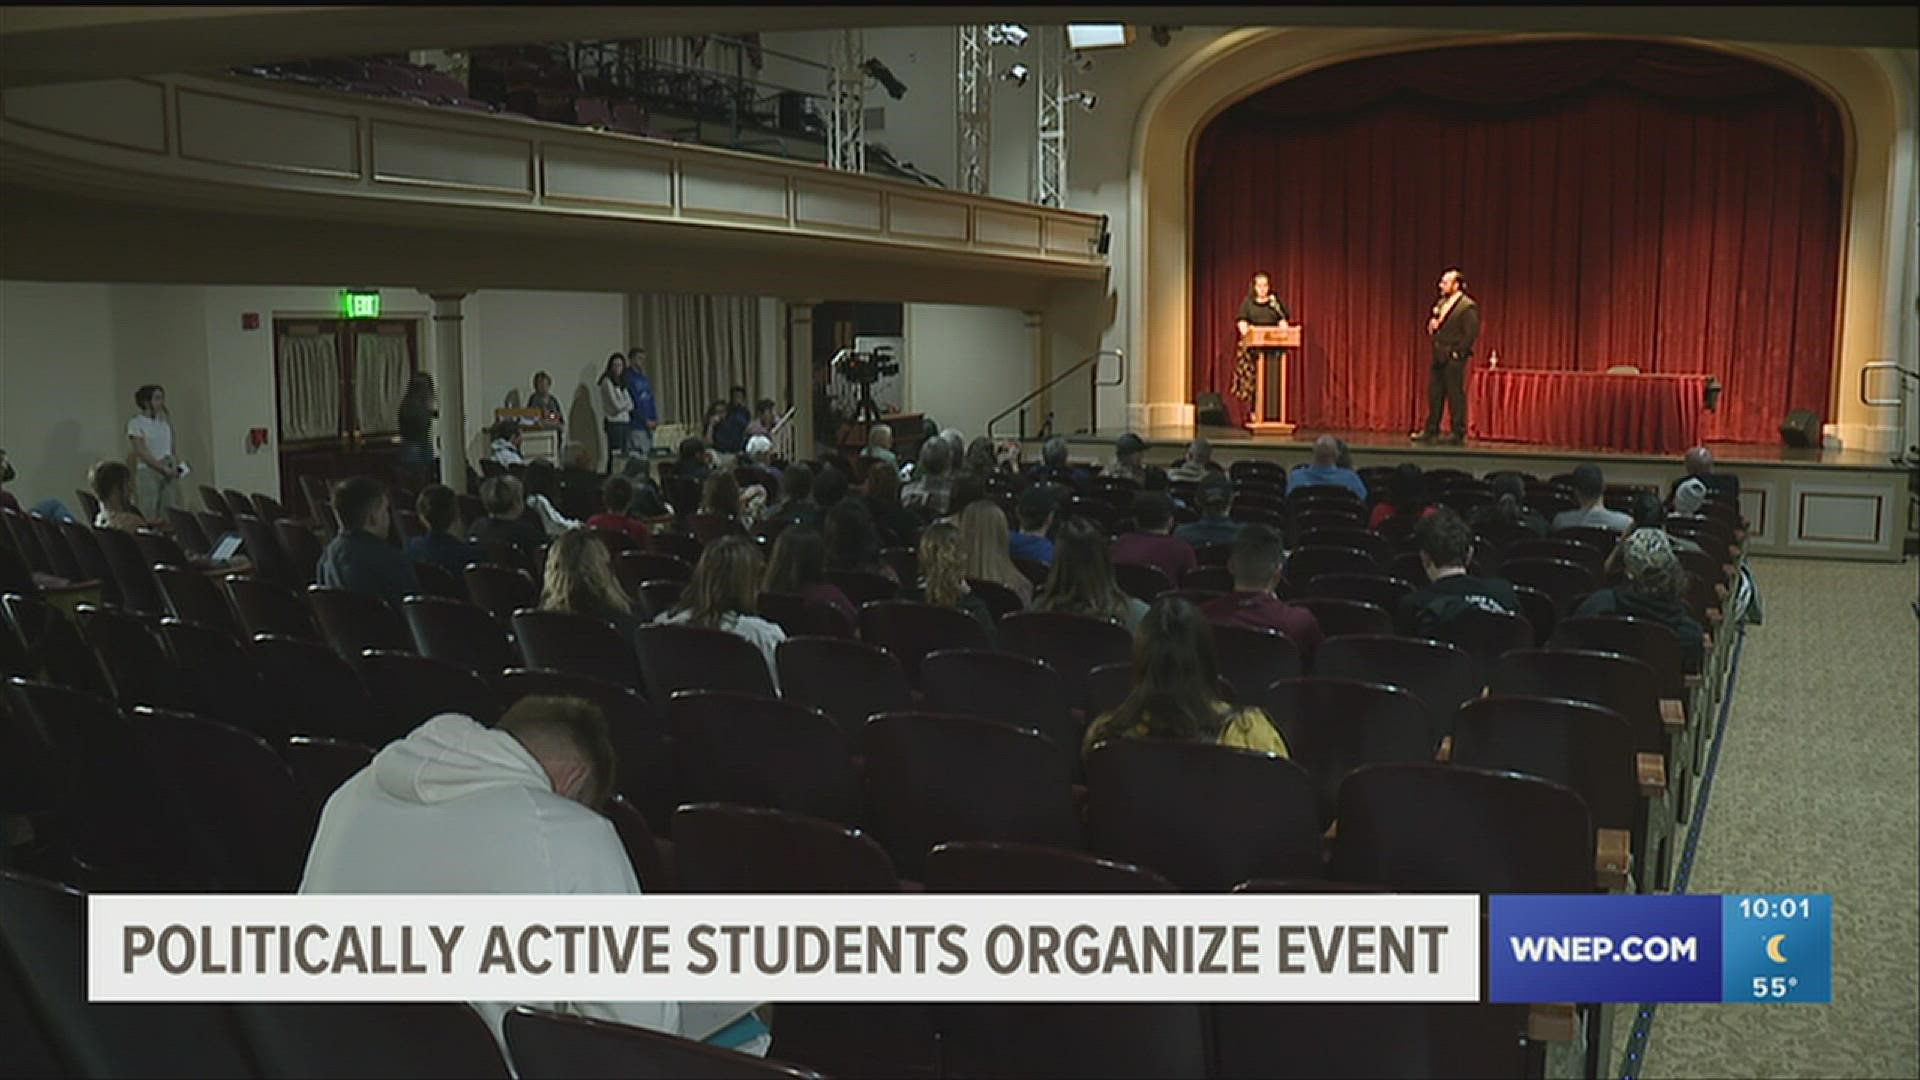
pixel 450 386
pixel 1040 369
pixel 800 374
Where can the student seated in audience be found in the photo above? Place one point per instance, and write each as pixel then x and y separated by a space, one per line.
pixel 112 484
pixel 943 577
pixel 932 486
pixel 981 460
pixel 648 503
pixel 359 559
pixel 1193 468
pixel 1591 488
pixel 543 495
pixel 1129 450
pixel 508 520
pixel 458 807
pixel 723 498
pixel 1406 497
pixel 759 454
pixel 1649 514
pixel 1655 589
pixel 580 580
pixel 898 526
pixel 798 566
pixel 1256 563
pixel 852 541
pixel 694 460
pixel 505 449
pixel 728 430
pixel 1446 550
pixel 1036 507
pixel 1212 497
pixel 1152 543
pixel 796 505
pixel 1080 581
pixel 1325 470
pixel 831 483
pixel 985 547
pixel 579 482
pixel 1690 497
pixel 765 417
pixel 1699 464
pixel 441 546
pixel 617 495
pixel 1176 695
pixel 968 488
pixel 880 445
pixel 1054 468
pixel 1509 508
pixel 725 594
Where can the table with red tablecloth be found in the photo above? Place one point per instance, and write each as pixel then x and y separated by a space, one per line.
pixel 1587 410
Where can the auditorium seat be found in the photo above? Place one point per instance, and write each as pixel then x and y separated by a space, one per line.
pixel 268 608
pixel 216 503
pixel 419 1040
pixel 315 691
pixel 409 690
pixel 642 742
pixel 54 644
pixel 320 765
pixel 1001 686
pixel 1107 687
pixel 1452 828
pixel 1207 817
pixel 192 597
pixel 91 559
pixel 1072 645
pixel 1440 675
pixel 1333 726
pixel 131 652
pixel 554 1046
pixel 1213 578
pixel 440 583
pixel 1572 551
pixel 502 590
pixel 1379 588
pixel 1601 540
pixel 355 622
pixel 863 586
pixel 222 680
pixel 801 617
pixel 1142 582
pixel 1299 1041
pixel 1251 660
pixel 581 644
pixel 993 866
pixel 1540 611
pixel 1305 563
pixel 1560 579
pixel 643 851
pixel 931 778
pixel 53 544
pixel 302 548
pixel 662 595
pixel 458 633
pixel 910 630
pixel 675 658
pixel 245 806
pixel 1000 600
pixel 634 567
pixel 757 751
pixel 1487 635
pixel 847 680
pixel 270 563
pixel 1338 618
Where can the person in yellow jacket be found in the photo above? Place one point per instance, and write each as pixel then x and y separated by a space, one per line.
pixel 1176 689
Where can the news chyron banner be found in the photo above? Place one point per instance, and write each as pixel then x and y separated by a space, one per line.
pixel 1775 949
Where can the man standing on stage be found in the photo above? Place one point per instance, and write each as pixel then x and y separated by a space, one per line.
pixel 1454 326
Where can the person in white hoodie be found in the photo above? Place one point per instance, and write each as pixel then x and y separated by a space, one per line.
pixel 456 807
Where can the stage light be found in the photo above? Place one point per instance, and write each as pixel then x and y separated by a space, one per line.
pixel 895 88
pixel 1017 74
pixel 1082 62
pixel 1012 35
pixel 1084 98
pixel 1098 35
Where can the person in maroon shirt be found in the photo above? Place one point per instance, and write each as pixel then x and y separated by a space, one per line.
pixel 1255 563
pixel 1153 543
pixel 617 493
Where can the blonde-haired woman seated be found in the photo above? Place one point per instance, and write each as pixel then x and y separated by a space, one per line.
pixel 986 546
pixel 725 594
pixel 1176 689
pixel 580 580
pixel 943 577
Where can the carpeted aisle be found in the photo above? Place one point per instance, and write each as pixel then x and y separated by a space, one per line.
pixel 1818 790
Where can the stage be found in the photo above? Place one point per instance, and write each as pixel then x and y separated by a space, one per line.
pixel 1813 503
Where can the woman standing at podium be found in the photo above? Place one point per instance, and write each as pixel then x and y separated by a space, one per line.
pixel 1260 308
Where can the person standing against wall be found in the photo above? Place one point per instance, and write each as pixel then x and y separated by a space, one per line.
pixel 150 438
pixel 417 412
pixel 646 416
pixel 617 404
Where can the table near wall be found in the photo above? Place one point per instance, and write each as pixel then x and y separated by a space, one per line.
pixel 1586 410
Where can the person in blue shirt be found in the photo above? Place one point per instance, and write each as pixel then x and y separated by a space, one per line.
pixel 1214 496
pixel 729 433
pixel 1035 510
pixel 442 546
pixel 1326 470
pixel 646 416
pixel 359 559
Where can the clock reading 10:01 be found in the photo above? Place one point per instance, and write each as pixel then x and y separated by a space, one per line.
pixel 1784 907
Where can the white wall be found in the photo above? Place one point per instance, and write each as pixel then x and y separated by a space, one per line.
pixel 964 364
pixel 59 413
pixel 567 335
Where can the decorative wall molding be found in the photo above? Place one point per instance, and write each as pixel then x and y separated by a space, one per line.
pixel 259 143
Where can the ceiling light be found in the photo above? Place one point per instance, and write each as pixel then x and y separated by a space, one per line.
pixel 1010 34
pixel 1098 35
pixel 1084 98
pixel 1017 74
pixel 1082 62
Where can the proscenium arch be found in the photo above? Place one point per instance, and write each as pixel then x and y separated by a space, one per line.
pixel 1159 278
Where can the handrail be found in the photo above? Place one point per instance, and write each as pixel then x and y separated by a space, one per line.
pixel 1871 366
pixel 1093 407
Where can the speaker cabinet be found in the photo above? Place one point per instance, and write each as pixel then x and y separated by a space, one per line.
pixel 1801 429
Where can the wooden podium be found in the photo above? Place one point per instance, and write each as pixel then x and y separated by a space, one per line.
pixel 1270 417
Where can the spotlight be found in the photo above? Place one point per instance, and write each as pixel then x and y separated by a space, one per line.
pixel 1012 35
pixel 895 88
pixel 1084 98
pixel 1082 62
pixel 1017 74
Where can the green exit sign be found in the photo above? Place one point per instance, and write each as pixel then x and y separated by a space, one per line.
pixel 357 304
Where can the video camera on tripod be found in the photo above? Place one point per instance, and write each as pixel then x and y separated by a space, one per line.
pixel 864 369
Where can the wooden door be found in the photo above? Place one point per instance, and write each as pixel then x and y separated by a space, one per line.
pixel 338 384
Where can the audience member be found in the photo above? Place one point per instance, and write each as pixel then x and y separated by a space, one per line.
pixel 580 580
pixel 720 498
pixel 1055 468
pixel 1035 508
pixel 1256 564
pixel 968 488
pixel 1176 696
pixel 852 541
pixel 1655 589
pixel 1344 458
pixel 508 521
pixel 1592 513
pixel 542 483
pixel 943 577
pixel 112 484
pixel 1325 471
pixel 525 794
pixel 932 485
pixel 1509 509
pixel 799 566
pixel 796 505
pixel 1214 496
pixel 579 482
pixel 729 431
pixel 616 494
pixel 359 559
pixel 880 445
pixel 1081 582
pixel 645 415
pixel 418 409
pixel 981 459
pixel 441 546
pixel 616 402
pixel 1446 550
pixel 1406 497
pixel 899 526
pixel 830 484
pixel 985 546
pixel 1152 542
pixel 1689 496
pixel 1699 464
pixel 156 469
pixel 766 417
pixel 505 448
pixel 1649 514
pixel 693 460
pixel 647 501
pixel 1128 450
pixel 759 455
pixel 725 594
pixel 542 398
pixel 1193 468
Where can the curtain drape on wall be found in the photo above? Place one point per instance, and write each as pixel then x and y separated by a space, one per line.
pixel 309 387
pixel 699 347
pixel 380 372
pixel 1609 202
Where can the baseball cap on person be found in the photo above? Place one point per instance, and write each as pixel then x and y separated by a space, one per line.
pixel 1129 444
pixel 1690 496
pixel 1215 489
pixel 759 444
pixel 1649 557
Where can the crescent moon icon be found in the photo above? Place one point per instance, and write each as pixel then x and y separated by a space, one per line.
pixel 1773 949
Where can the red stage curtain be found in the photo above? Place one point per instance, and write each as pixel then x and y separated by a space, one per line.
pixel 1609 202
